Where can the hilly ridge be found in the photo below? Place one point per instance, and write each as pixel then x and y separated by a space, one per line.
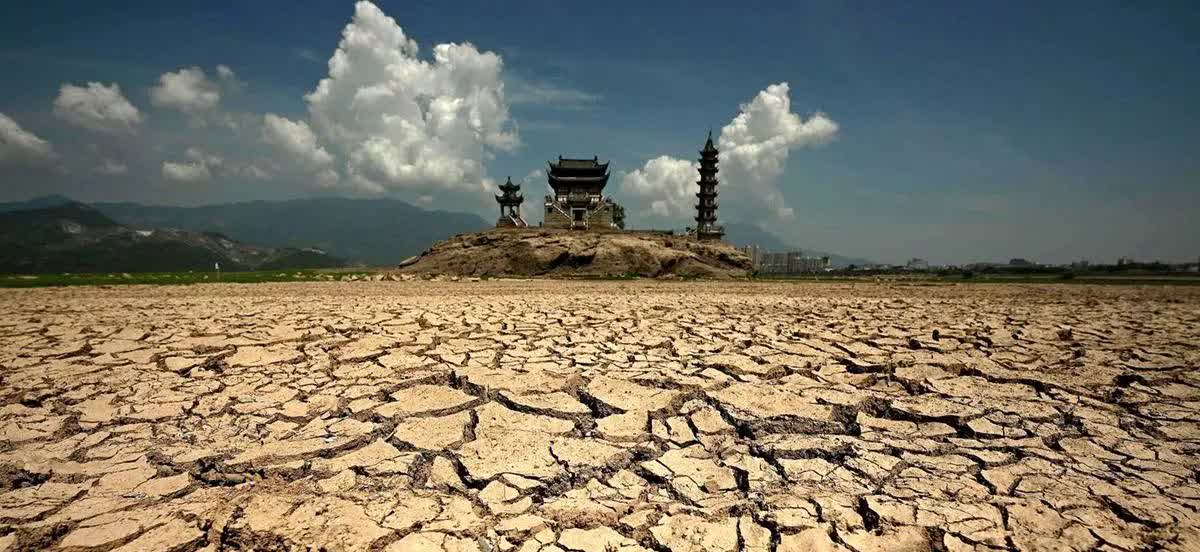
pixel 372 231
pixel 378 232
pixel 73 237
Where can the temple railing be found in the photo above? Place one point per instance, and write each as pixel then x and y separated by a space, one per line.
pixel 581 197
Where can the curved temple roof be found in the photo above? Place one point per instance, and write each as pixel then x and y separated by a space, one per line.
pixel 582 165
pixel 511 193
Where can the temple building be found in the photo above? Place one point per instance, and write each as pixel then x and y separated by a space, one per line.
pixel 706 206
pixel 577 200
pixel 510 200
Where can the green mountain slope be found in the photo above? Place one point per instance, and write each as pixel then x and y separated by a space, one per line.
pixel 73 237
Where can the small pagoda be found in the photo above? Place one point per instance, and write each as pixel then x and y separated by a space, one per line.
pixel 510 200
pixel 578 198
pixel 706 206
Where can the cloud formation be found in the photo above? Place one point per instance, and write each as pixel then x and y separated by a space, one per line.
pixel 187 90
pixel 97 107
pixel 19 146
pixel 198 155
pixel 548 94
pixel 255 172
pixel 186 171
pixel 668 183
pixel 198 165
pixel 754 146
pixel 225 73
pixel 296 138
pixel 404 123
pixel 387 118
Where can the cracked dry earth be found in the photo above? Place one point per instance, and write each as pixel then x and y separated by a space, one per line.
pixel 600 416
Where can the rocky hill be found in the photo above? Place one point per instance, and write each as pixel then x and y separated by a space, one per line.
pixel 73 237
pixel 565 253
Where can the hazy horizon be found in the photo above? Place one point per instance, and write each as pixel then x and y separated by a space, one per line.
pixel 955 133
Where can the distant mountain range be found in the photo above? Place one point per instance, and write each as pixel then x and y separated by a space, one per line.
pixel 378 232
pixel 35 203
pixel 744 234
pixel 373 231
pixel 73 237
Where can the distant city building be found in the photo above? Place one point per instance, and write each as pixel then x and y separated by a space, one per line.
pixel 791 262
pixel 773 263
pixel 754 253
pixel 510 200
pixel 806 264
pixel 577 200
pixel 1020 262
pixel 917 264
pixel 1125 261
pixel 706 198
pixel 794 261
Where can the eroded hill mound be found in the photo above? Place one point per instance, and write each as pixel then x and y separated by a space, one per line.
pixel 566 253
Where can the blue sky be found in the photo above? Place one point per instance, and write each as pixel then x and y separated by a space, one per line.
pixel 965 131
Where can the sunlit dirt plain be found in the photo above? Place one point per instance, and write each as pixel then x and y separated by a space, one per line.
pixel 597 416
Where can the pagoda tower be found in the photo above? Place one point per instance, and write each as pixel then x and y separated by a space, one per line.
pixel 510 200
pixel 706 206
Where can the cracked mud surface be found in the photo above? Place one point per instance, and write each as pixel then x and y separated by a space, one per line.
pixel 600 416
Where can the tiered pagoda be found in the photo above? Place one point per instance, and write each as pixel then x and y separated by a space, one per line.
pixel 510 200
pixel 706 206
pixel 577 200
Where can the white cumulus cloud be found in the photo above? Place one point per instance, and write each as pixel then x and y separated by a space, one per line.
pixel 188 90
pixel 186 171
pixel 18 145
pixel 97 107
pixel 296 138
pixel 229 80
pixel 535 181
pixel 255 172
pixel 754 146
pixel 668 183
pixel 406 123
pixel 198 155
pixel 327 178
pixel 197 165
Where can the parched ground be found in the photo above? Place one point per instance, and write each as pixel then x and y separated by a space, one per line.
pixel 600 416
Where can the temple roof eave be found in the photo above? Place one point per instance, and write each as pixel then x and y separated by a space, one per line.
pixel 578 178
pixel 578 164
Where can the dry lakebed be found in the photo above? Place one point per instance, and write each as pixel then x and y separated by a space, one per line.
pixel 600 416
